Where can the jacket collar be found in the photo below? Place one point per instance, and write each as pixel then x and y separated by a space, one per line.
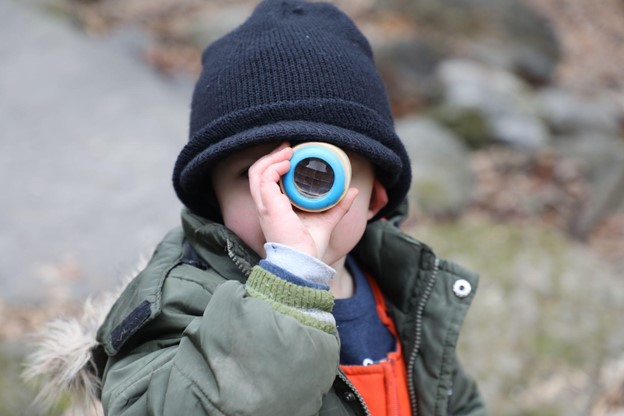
pixel 384 251
pixel 399 263
pixel 223 250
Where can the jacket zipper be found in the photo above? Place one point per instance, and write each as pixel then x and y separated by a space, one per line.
pixel 242 265
pixel 418 336
pixel 357 394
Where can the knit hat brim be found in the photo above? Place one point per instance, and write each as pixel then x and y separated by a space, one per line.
pixel 192 174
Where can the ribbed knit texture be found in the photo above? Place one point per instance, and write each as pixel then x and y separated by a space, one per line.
pixel 309 306
pixel 293 71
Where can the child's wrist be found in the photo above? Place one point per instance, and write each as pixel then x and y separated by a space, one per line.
pixel 308 305
pixel 299 264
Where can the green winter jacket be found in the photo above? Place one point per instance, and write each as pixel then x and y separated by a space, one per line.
pixel 186 338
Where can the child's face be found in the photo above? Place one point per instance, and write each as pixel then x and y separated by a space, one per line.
pixel 231 185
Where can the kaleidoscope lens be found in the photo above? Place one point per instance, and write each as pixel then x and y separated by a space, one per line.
pixel 314 177
pixel 319 176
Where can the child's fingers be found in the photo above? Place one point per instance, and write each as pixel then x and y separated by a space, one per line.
pixel 338 211
pixel 275 171
pixel 280 154
pixel 321 225
pixel 327 220
pixel 265 174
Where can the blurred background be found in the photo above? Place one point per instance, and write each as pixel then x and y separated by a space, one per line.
pixel 512 111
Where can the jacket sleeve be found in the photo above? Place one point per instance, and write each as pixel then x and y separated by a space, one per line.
pixel 465 399
pixel 220 351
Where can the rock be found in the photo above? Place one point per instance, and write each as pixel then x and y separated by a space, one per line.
pixel 408 69
pixel 504 100
pixel 603 157
pixel 566 112
pixel 468 124
pixel 508 34
pixel 520 129
pixel 442 179
pixel 530 42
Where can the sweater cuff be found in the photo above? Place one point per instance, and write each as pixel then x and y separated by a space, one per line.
pixel 299 264
pixel 288 276
pixel 308 305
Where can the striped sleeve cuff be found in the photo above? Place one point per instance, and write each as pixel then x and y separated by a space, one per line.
pixel 289 277
pixel 308 305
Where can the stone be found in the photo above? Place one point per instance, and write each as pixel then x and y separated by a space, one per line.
pixel 603 158
pixel 505 101
pixel 468 124
pixel 442 178
pixel 566 112
pixel 408 69
pixel 518 129
pixel 508 34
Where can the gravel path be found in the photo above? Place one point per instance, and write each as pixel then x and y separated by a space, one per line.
pixel 88 137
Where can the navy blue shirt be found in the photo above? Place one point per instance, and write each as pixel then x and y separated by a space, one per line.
pixel 364 338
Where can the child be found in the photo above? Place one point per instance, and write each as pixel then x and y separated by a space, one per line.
pixel 253 307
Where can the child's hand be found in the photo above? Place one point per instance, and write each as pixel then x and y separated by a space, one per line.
pixel 280 223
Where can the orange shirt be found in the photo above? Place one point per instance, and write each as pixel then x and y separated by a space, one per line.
pixel 383 385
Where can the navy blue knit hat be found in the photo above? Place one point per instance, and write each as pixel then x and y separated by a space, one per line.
pixel 293 71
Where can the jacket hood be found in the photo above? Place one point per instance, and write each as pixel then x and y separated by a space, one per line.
pixel 62 362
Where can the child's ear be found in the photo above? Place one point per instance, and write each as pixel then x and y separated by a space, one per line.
pixel 378 200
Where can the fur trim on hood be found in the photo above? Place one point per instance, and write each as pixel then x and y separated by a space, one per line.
pixel 62 362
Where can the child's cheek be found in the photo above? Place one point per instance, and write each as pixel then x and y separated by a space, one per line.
pixel 241 217
pixel 348 232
